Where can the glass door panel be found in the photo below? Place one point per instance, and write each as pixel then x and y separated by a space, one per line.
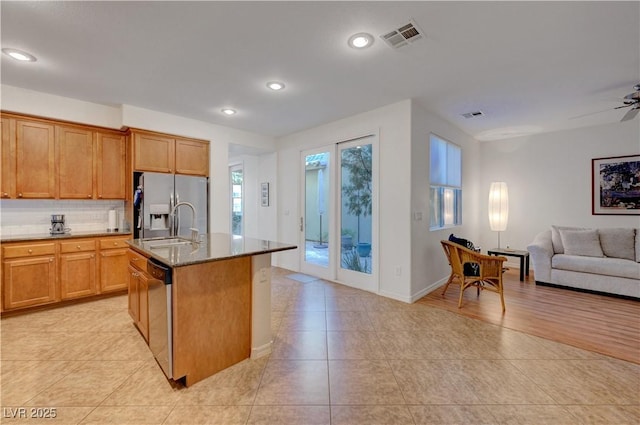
pixel 357 218
pixel 237 220
pixel 316 221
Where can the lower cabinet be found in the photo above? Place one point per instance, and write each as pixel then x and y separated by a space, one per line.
pixel 29 281
pixel 77 269
pixel 113 264
pixel 139 292
pixel 45 272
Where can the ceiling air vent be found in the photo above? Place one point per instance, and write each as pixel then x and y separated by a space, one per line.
pixel 473 114
pixel 404 35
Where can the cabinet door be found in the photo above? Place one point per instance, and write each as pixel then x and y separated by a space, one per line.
pixel 192 157
pixel 113 270
pixel 35 153
pixel 29 281
pixel 153 153
pixel 134 298
pixel 110 166
pixel 143 298
pixel 75 156
pixel 8 162
pixel 77 275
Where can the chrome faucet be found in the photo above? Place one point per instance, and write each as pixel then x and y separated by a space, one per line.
pixel 194 231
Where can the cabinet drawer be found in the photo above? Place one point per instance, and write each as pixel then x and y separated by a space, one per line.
pixel 112 243
pixel 77 246
pixel 28 250
pixel 137 260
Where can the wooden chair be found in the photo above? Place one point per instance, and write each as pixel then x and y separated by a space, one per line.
pixel 489 276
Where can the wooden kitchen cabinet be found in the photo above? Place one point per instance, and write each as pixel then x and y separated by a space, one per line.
pixel 47 159
pixel 35 155
pixel 192 157
pixel 29 275
pixel 163 153
pixel 110 166
pixel 8 158
pixel 77 268
pixel 74 148
pixel 153 152
pixel 139 292
pixel 113 264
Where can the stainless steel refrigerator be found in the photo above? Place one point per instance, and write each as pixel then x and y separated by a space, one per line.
pixel 160 193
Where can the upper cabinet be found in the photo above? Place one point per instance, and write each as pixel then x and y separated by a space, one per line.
pixel 153 152
pixel 164 153
pixel 110 166
pixel 49 159
pixel 8 159
pixel 35 165
pixel 192 157
pixel 75 153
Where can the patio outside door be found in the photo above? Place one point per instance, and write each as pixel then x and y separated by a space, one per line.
pixel 316 226
pixel 357 217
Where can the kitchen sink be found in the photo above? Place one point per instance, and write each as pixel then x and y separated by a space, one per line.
pixel 166 242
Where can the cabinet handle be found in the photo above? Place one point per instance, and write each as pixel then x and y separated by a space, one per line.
pixel 115 244
pixel 93 256
pixel 5 195
pixel 100 196
pixel 51 260
pixel 88 196
pixel 19 195
pixel 134 259
pixel 30 251
pixel 78 246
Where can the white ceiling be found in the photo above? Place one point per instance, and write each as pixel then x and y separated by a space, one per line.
pixel 535 65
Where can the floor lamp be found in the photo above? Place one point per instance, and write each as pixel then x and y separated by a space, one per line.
pixel 498 207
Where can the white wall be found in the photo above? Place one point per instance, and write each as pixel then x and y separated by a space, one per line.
pixel 392 124
pixel 429 266
pixel 549 179
pixel 20 100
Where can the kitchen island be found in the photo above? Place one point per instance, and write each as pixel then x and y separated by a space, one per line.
pixel 216 301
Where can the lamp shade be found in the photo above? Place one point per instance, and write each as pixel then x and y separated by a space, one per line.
pixel 498 206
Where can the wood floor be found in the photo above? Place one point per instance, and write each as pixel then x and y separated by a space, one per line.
pixel 603 324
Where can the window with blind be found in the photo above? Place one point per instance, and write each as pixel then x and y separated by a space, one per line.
pixel 445 191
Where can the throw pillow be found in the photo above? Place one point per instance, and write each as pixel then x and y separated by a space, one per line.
pixel 556 239
pixel 469 269
pixel 618 242
pixel 581 242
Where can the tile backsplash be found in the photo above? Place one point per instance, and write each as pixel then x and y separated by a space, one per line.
pixel 31 216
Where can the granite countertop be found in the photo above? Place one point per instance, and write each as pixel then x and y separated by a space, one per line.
pixel 214 247
pixel 70 235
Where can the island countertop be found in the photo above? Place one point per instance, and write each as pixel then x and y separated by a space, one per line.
pixel 213 247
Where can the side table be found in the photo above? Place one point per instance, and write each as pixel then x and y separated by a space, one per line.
pixel 523 255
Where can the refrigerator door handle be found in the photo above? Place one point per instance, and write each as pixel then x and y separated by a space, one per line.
pixel 172 231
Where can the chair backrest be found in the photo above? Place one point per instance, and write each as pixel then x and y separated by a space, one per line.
pixel 453 256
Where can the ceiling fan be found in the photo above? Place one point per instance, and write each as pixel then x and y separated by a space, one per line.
pixel 632 100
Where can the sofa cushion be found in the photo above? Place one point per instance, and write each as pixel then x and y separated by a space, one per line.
pixel 556 239
pixel 618 242
pixel 604 266
pixel 581 242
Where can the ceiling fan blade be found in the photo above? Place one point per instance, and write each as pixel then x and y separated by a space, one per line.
pixel 590 113
pixel 630 114
pixel 624 106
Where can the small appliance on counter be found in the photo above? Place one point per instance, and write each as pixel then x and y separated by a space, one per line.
pixel 57 225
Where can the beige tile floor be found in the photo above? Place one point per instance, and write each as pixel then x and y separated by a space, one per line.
pixel 340 356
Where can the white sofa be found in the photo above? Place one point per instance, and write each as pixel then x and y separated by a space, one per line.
pixel 604 260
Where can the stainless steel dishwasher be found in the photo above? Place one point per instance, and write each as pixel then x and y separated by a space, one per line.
pixel 160 317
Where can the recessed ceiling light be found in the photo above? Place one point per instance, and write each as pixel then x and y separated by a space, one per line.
pixel 228 111
pixel 275 85
pixel 19 55
pixel 360 40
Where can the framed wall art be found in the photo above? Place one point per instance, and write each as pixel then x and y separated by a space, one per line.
pixel 616 185
pixel 264 194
